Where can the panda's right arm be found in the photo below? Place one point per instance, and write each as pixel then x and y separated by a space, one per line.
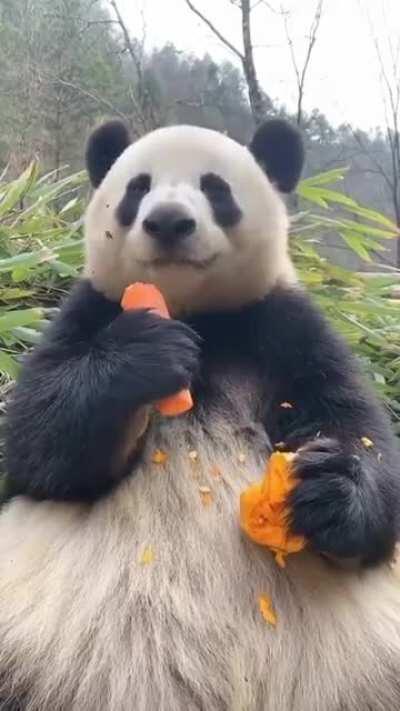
pixel 80 388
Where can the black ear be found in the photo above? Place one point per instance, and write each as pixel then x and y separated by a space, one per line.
pixel 278 147
pixel 104 146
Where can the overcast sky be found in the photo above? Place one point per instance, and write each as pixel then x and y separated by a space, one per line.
pixel 343 80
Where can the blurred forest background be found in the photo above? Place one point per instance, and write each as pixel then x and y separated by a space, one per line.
pixel 67 64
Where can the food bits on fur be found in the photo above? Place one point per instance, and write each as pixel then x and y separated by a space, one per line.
pixel 193 455
pixel 267 610
pixel 216 472
pixel 148 556
pixel 159 457
pixel 242 457
pixel 206 496
pixel 367 442
pixel 280 559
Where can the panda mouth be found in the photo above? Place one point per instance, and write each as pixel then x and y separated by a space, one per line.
pixel 180 261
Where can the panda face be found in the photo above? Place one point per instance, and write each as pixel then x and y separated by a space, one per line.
pixel 193 212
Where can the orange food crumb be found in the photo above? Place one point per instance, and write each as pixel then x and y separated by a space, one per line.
pixel 148 556
pixel 367 442
pixel 159 457
pixel 264 510
pixel 206 496
pixel 267 610
pixel 280 559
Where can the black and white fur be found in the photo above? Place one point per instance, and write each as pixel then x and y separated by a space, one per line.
pixel 83 623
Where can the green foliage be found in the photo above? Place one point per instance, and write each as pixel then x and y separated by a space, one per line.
pixel 61 68
pixel 365 308
pixel 41 250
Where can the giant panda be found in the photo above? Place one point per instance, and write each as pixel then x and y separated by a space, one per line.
pixel 89 620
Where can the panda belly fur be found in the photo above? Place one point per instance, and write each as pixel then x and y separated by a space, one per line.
pixel 85 625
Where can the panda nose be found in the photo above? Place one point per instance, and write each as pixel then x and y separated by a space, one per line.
pixel 169 224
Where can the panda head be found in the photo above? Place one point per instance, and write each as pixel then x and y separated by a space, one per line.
pixel 192 211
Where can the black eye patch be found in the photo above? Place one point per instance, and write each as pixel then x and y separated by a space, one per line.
pixel 226 212
pixel 134 193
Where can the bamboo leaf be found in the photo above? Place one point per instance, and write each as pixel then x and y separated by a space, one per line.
pixel 17 189
pixel 374 216
pixel 313 195
pixel 355 243
pixel 23 317
pixel 64 269
pixel 330 176
pixel 14 293
pixel 26 335
pixel 25 260
pixel 8 364
pixel 367 229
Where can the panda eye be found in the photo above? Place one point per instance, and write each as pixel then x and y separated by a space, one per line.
pixel 135 191
pixel 227 212
pixel 211 183
pixel 140 185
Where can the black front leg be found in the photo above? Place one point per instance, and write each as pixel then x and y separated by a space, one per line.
pixel 347 503
pixel 83 388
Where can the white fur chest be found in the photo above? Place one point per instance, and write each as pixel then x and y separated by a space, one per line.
pixel 85 624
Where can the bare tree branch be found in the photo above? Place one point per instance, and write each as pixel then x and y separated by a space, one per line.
pixel 143 106
pixel 100 100
pixel 378 166
pixel 128 44
pixel 258 101
pixel 391 84
pixel 267 5
pixel 302 73
pixel 213 29
pixel 390 88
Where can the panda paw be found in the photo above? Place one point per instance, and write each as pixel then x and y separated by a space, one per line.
pixel 155 357
pixel 336 505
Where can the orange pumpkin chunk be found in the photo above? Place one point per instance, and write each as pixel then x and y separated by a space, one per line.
pixel 264 510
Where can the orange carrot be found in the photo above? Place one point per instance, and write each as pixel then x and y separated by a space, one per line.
pixel 144 296
pixel 147 296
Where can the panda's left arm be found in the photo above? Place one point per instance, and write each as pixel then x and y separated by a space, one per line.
pixel 349 464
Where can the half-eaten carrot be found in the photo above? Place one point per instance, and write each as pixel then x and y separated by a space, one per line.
pixel 147 296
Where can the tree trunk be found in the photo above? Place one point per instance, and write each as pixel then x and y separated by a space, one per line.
pixel 259 104
pixel 397 217
pixel 57 147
